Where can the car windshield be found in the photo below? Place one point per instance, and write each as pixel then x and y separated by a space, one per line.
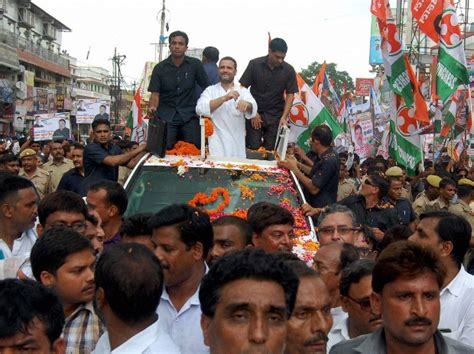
pixel 158 186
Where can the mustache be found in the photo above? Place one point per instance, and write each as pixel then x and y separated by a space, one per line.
pixel 320 336
pixel 418 321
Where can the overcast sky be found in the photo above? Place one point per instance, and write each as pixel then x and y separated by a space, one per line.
pixel 315 30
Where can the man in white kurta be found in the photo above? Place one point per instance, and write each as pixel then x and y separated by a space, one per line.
pixel 228 105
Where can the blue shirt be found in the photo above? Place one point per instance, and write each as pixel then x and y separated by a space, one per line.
pixel 325 176
pixel 71 181
pixel 94 168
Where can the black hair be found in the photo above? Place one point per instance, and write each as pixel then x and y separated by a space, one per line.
pixel 381 183
pixel 405 259
pixel 230 59
pixel 299 267
pixel 278 45
pixel 8 157
pixel 179 34
pixel 51 250
pixel 464 191
pixel 211 54
pixel 12 185
pixel 103 105
pixel 244 227
pixel 396 233
pixel 194 225
pixel 99 121
pixel 349 254
pixel 63 120
pixel 92 219
pixel 136 225
pixel 132 279
pixel 323 134
pixel 354 272
pixel 115 195
pixel 452 228
pixel 22 301
pixel 78 146
pixel 263 214
pixel 246 264
pixel 446 182
pixel 65 201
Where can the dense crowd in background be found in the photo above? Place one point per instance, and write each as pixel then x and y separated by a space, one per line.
pixel 391 273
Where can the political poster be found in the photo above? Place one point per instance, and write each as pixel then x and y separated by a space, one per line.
pixel 89 109
pixel 375 54
pixel 52 126
pixel 19 118
pixel 40 102
pixel 362 135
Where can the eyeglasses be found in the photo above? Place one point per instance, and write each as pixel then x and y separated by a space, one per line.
pixel 341 230
pixel 77 226
pixel 364 303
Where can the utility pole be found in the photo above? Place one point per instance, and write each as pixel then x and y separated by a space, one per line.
pixel 162 32
pixel 115 88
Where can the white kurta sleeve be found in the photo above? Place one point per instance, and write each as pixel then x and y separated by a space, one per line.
pixel 203 106
pixel 247 96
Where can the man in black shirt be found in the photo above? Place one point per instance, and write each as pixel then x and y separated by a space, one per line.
pixel 71 180
pixel 173 92
pixel 273 84
pixel 321 185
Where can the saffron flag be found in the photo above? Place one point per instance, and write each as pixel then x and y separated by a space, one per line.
pixel 307 112
pixel 426 13
pixel 421 111
pixel 377 7
pixel 452 68
pixel 319 80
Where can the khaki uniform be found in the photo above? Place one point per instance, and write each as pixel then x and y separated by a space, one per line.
pixel 57 171
pixel 345 189
pixel 437 205
pixel 407 194
pixel 41 180
pixel 420 203
pixel 463 209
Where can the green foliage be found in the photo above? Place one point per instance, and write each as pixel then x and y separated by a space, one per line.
pixel 338 78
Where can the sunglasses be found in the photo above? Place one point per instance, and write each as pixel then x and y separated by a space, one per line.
pixel 364 303
pixel 367 181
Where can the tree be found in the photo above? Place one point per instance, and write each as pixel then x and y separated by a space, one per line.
pixel 338 78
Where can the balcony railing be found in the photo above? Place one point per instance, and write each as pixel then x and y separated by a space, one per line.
pixel 29 46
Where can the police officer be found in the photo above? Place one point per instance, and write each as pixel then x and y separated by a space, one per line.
pixel 398 173
pixel 447 191
pixel 323 181
pixel 405 213
pixel 466 196
pixel 431 193
pixel 40 178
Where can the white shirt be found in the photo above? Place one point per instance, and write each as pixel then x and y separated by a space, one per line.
pixel 184 327
pixel 457 308
pixel 338 333
pixel 149 341
pixel 228 139
pixel 21 246
pixel 338 315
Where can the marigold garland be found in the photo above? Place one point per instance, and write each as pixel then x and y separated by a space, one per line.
pixel 182 148
pixel 201 199
pixel 246 192
pixel 208 127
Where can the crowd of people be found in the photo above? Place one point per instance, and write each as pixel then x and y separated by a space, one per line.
pixel 391 275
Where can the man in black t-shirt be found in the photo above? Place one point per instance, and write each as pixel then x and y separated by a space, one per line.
pixel 173 92
pixel 272 83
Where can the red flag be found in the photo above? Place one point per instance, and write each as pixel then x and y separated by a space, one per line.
pixel 377 7
pixel 421 112
pixel 427 13
pixel 319 79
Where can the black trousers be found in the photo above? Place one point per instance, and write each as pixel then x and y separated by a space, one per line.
pixel 265 136
pixel 189 132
